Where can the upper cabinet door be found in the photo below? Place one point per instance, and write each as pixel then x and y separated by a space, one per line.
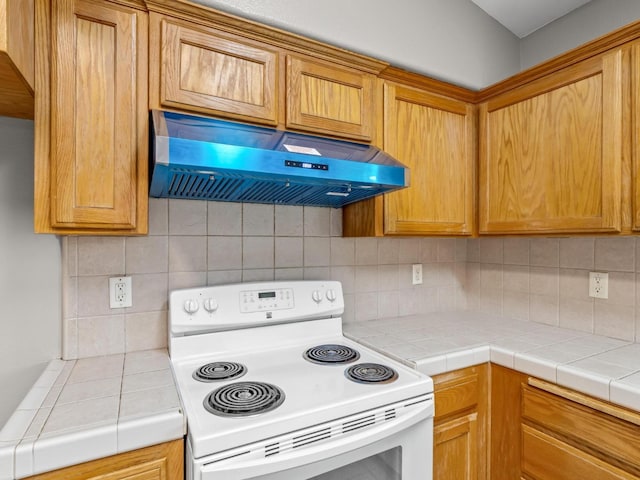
pixel 98 108
pixel 435 137
pixel 635 132
pixel 329 99
pixel 551 152
pixel 204 71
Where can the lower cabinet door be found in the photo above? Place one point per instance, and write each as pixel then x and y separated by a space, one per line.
pixel 547 458
pixel 455 449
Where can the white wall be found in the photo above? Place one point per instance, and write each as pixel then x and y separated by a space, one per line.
pixel 580 26
pixel 30 275
pixel 453 40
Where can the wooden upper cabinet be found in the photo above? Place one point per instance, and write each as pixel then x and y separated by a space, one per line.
pixel 91 134
pixel 329 99
pixel 551 152
pixel 16 58
pixel 205 71
pixel 435 137
pixel 635 133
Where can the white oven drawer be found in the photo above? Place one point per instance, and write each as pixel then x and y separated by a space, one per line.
pixel 371 445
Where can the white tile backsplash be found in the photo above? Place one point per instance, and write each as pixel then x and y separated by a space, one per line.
pixel 194 243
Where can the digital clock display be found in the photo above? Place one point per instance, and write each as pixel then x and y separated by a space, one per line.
pixel 266 294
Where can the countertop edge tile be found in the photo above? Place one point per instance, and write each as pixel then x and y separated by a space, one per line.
pixel 23 461
pixel 584 381
pixel 503 356
pixel 7 454
pixel 141 432
pixel 52 453
pixel 625 395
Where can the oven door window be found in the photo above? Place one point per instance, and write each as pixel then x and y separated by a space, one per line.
pixel 383 466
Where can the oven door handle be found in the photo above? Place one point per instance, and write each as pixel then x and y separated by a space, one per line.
pixel 237 468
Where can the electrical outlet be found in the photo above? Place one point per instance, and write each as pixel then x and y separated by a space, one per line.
pixel 120 292
pixel 417 274
pixel 598 285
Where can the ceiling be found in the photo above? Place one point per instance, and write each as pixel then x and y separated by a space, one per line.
pixel 523 17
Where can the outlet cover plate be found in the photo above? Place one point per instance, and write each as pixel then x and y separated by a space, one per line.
pixel 120 292
pixel 598 285
pixel 416 278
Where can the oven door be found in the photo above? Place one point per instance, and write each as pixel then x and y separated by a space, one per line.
pixel 398 447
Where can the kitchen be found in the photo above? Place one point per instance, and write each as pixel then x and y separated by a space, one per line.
pixel 486 258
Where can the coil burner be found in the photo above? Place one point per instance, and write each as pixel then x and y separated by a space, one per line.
pixel 371 373
pixel 213 372
pixel 242 399
pixel 331 354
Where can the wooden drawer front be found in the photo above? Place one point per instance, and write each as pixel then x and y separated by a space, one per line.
pixel 202 72
pixel 547 458
pixel 601 432
pixel 329 99
pixel 456 395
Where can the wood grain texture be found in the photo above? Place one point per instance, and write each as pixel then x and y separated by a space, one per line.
pixel 461 423
pixel 329 99
pixel 431 85
pixel 96 156
pixel 505 430
pixel 635 133
pixel 550 159
pixel 268 36
pixel 17 40
pixel 586 428
pixel 587 401
pixel 203 71
pixel 159 462
pixel 455 449
pixel 364 218
pixel 434 137
pixel 547 458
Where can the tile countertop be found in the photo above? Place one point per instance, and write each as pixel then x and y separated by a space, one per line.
pixel 435 343
pixel 80 410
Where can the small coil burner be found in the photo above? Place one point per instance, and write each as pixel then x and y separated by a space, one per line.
pixel 371 373
pixel 331 354
pixel 213 372
pixel 242 399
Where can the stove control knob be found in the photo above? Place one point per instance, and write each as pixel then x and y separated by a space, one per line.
pixel 331 295
pixel 316 296
pixel 210 305
pixel 191 306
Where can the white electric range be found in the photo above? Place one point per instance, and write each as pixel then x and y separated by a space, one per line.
pixel 272 389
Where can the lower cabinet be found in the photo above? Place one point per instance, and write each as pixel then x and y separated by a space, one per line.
pixel 541 431
pixel 159 462
pixel 459 451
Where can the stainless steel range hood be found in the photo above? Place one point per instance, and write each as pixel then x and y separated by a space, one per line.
pixel 210 159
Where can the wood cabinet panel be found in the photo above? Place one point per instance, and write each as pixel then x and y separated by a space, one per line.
pixel 159 462
pixel 547 458
pixel 551 152
pixel 586 426
pixel 460 424
pixel 434 137
pixel 455 449
pixel 204 71
pixel 329 99
pixel 635 133
pixel 17 58
pixel 506 411
pixel 91 159
pixel 456 394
